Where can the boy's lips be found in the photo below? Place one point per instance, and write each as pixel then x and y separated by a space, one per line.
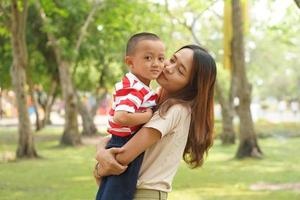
pixel 155 71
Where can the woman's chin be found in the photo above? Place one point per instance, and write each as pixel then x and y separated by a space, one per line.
pixel 160 81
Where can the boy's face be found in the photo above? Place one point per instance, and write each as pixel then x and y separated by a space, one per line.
pixel 147 61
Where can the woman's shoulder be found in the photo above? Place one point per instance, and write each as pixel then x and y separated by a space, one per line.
pixel 180 108
pixel 178 112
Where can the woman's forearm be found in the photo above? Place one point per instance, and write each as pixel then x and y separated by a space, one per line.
pixel 142 140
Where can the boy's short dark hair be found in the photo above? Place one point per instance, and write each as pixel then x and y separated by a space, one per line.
pixel 133 40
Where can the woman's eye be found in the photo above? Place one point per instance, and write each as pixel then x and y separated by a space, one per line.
pixel 180 70
pixel 172 60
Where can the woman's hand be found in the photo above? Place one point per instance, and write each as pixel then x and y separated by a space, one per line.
pixel 108 165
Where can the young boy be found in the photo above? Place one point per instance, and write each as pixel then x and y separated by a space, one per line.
pixel 133 100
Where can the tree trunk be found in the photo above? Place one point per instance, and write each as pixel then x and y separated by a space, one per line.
pixel 50 100
pixel 88 125
pixel 228 134
pixel 26 147
pixel 297 3
pixel 71 134
pixel 248 146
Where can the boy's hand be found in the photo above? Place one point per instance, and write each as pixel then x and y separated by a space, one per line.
pixel 149 113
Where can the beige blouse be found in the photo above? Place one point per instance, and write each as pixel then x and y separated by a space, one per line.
pixel 162 160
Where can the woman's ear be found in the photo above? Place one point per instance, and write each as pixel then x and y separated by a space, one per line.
pixel 128 61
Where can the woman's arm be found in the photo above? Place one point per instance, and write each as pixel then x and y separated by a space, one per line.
pixel 156 128
pixel 142 140
pixel 114 161
pixel 149 134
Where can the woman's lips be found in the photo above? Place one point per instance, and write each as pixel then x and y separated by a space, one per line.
pixel 163 76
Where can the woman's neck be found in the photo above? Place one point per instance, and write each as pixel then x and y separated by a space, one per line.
pixel 162 96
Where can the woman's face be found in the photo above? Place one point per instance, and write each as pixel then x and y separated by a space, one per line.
pixel 177 72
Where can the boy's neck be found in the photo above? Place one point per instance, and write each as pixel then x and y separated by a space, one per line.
pixel 143 80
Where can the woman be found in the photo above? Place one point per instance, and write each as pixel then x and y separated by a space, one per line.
pixel 182 125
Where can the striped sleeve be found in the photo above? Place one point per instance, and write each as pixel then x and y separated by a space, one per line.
pixel 128 99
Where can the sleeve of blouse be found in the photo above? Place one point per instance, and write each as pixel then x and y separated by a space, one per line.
pixel 166 124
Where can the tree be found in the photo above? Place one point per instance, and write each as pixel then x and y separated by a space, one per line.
pixel 19 10
pixel 43 77
pixel 297 3
pixel 227 110
pixel 270 67
pixel 248 145
pixel 71 134
pixel 227 135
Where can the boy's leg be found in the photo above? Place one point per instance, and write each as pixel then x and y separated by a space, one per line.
pixel 115 141
pixel 123 186
pixel 101 188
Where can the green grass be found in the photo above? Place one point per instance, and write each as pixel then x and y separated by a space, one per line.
pixel 64 173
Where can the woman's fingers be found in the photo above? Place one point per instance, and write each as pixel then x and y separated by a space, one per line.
pixel 118 170
pixel 113 165
pixel 108 154
pixel 108 163
pixel 116 150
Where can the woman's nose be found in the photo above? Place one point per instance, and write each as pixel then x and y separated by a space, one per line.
pixel 169 69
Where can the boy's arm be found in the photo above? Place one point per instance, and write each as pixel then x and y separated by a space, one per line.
pixel 125 118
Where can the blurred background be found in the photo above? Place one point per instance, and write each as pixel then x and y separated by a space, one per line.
pixel 59 63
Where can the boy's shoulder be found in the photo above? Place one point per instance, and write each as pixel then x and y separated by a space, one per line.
pixel 129 81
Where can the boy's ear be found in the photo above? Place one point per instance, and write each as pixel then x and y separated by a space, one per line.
pixel 128 61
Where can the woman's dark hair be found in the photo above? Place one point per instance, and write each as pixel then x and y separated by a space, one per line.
pixel 199 94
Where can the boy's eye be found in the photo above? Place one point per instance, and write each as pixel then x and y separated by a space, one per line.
pixel 161 59
pixel 148 58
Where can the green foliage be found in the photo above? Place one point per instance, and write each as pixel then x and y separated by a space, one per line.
pixel 224 79
pixel 266 129
pixel 274 51
pixel 105 41
pixel 5 47
pixel 282 130
pixel 271 48
pixel 42 63
pixel 6 60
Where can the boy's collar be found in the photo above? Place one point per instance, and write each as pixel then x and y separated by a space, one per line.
pixel 130 75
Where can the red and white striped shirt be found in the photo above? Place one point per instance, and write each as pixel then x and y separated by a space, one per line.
pixel 130 95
